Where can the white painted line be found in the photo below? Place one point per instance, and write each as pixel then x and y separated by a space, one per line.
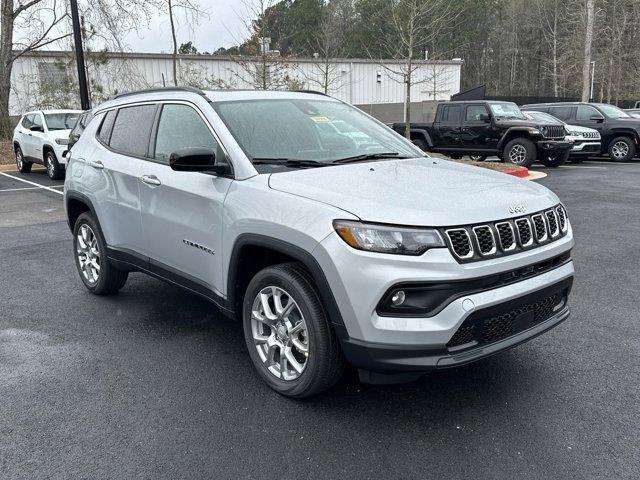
pixel 32 183
pixel 582 166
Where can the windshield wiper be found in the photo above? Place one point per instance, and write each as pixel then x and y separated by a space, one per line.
pixel 287 162
pixel 369 156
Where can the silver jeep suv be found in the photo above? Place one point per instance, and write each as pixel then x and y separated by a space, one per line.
pixel 326 247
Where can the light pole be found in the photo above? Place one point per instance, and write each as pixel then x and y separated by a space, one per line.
pixel 77 40
pixel 593 74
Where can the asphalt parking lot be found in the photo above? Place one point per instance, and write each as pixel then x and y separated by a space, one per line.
pixel 153 383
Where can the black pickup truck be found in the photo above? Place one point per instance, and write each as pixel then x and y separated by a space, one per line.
pixel 485 128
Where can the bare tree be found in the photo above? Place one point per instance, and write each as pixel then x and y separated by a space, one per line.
pixel 39 20
pixel 416 23
pixel 588 40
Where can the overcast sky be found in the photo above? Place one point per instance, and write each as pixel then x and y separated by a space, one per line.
pixel 224 27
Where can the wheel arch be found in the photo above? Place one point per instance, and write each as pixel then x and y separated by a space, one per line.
pixel 76 204
pixel 512 133
pixel 253 252
pixel 623 132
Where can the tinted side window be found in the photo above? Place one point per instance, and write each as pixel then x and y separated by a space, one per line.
pixel 563 113
pixel 131 130
pixel 585 111
pixel 105 128
pixel 181 126
pixel 451 113
pixel 474 112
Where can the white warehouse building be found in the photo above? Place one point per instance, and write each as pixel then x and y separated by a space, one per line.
pixel 47 79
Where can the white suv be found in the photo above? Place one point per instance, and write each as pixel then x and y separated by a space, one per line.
pixel 42 137
pixel 324 248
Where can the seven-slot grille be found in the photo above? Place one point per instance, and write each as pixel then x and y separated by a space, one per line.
pixel 475 242
pixel 553 131
pixel 590 135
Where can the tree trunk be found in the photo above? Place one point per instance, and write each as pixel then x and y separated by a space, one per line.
pixel 174 56
pixel 6 64
pixel 588 39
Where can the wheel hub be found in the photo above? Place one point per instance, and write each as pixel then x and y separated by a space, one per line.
pixel 88 254
pixel 279 333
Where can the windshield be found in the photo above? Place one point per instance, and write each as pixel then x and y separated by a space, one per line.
pixel 506 110
pixel 613 112
pixel 61 121
pixel 543 117
pixel 322 131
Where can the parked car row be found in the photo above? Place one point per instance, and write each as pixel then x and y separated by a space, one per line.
pixel 550 133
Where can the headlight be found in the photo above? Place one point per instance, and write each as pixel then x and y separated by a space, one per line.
pixel 388 238
pixel 62 141
pixel 534 131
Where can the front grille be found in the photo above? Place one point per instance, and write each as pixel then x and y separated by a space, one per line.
pixel 553 223
pixel 590 135
pixel 553 131
pixel 484 237
pixel 460 242
pixel 500 322
pixel 507 238
pixel 540 227
pixel 524 232
pixel 477 242
pixel 562 218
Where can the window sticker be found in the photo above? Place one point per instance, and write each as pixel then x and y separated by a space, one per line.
pixel 320 119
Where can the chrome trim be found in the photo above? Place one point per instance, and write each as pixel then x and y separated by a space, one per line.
pixel 471 249
pixel 557 230
pixel 493 241
pixel 544 225
pixel 566 219
pixel 530 242
pixel 513 236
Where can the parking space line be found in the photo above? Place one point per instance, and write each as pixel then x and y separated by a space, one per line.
pixel 33 183
pixel 25 188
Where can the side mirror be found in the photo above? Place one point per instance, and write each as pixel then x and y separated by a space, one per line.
pixel 36 128
pixel 596 117
pixel 193 159
pixel 485 117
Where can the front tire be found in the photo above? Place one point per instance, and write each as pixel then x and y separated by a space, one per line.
pixel 54 169
pixel 556 160
pixel 520 151
pixel 21 163
pixel 287 332
pixel 97 274
pixel 622 149
pixel 477 158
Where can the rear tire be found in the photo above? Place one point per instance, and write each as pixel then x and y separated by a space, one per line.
pixel 90 249
pixel 477 158
pixel 622 149
pixel 21 163
pixel 520 151
pixel 555 161
pixel 299 332
pixel 54 169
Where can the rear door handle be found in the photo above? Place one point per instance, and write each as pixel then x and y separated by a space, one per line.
pixel 151 180
pixel 95 164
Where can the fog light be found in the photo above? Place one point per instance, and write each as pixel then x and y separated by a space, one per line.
pixel 398 298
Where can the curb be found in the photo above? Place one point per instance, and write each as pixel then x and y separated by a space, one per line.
pixel 520 172
pixel 12 168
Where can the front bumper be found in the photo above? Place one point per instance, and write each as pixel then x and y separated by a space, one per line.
pixel 586 148
pixel 383 343
pixel 554 146
pixel 385 362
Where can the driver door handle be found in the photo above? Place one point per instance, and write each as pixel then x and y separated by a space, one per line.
pixel 95 164
pixel 151 180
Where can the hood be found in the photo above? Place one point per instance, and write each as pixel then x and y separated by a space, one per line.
pixel 417 192
pixel 59 133
pixel 631 121
pixel 578 128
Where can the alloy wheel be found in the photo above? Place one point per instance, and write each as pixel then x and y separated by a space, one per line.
pixel 88 252
pixel 279 333
pixel 517 154
pixel 19 160
pixel 51 169
pixel 620 150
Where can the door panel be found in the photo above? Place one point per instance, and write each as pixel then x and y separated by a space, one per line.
pixel 182 211
pixel 447 127
pixel 476 133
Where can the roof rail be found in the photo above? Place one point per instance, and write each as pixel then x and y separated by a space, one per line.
pixel 315 92
pixel 162 89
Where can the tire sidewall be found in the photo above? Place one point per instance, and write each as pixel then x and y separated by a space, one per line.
pixel 310 308
pixel 630 145
pixel 50 158
pixel 25 167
